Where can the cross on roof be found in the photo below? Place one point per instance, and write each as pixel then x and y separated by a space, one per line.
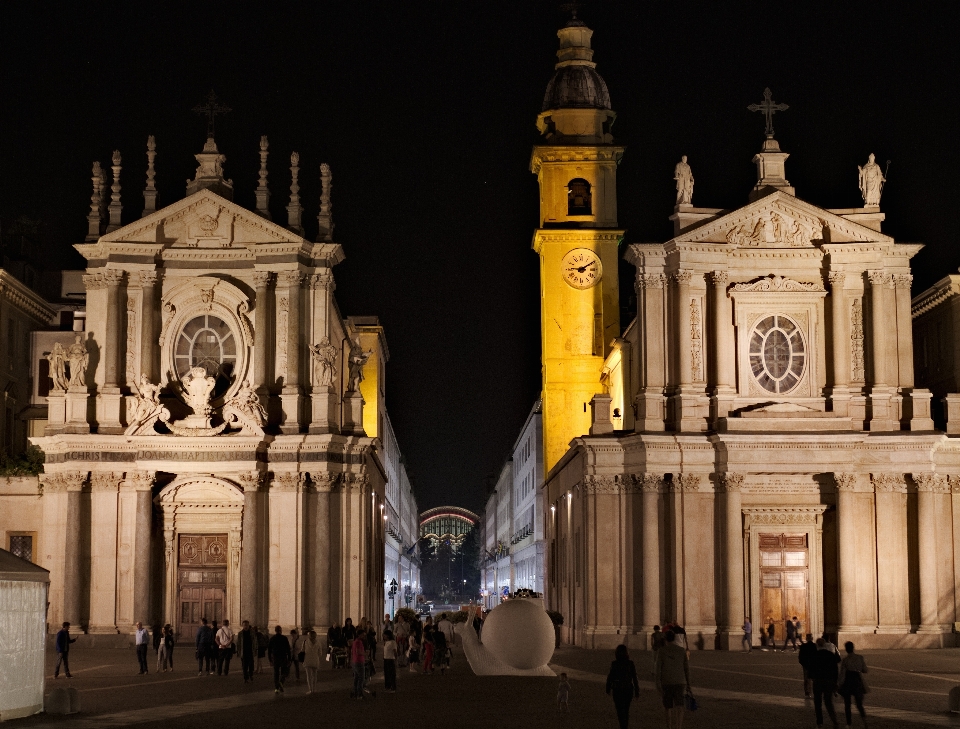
pixel 211 109
pixel 769 108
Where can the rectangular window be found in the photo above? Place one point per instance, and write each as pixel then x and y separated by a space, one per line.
pixel 770 559
pixel 794 580
pixel 795 559
pixel 771 579
pixel 21 545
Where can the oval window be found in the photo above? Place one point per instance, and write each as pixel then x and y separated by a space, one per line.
pixel 777 353
pixel 207 341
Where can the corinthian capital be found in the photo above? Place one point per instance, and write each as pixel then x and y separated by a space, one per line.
pixel 845 481
pixel 261 279
pixel 250 480
pixel 291 278
pixel 682 277
pixel 902 280
pixel 877 278
pixel 837 279
pixel 650 280
pixel 731 482
pixel 719 278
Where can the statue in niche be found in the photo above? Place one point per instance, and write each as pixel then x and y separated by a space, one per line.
pixel 197 388
pixel 684 177
pixel 325 357
pixel 78 358
pixel 358 358
pixel 58 367
pixel 245 409
pixel 146 409
pixel 871 182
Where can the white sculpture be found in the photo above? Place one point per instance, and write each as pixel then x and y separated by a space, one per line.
pixel 325 357
pixel 518 640
pixel 684 177
pixel 58 367
pixel 871 182
pixel 147 409
pixel 358 358
pixel 197 388
pixel 245 409
pixel 78 357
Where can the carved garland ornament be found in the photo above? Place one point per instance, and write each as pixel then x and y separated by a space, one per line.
pixel 856 341
pixel 696 341
pixel 888 483
pixel 133 350
pixel 779 284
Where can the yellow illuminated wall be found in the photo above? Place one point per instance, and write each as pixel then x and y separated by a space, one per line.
pixel 372 387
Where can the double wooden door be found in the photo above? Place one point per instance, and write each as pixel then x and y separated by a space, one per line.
pixel 784 582
pixel 202 580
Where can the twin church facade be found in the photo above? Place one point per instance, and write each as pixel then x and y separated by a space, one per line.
pixel 753 444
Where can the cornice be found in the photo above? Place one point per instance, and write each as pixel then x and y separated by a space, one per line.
pixel 25 299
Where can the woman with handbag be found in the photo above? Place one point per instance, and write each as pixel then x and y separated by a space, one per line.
pixel 852 685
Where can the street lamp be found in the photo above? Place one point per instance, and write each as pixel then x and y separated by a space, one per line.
pixel 393 594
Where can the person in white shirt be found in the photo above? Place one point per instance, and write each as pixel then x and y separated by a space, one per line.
pixel 446 627
pixel 224 640
pixel 389 662
pixel 142 641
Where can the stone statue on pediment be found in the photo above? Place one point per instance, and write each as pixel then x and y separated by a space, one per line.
pixel 245 409
pixel 78 358
pixel 146 409
pixel 684 177
pixel 197 387
pixel 358 358
pixel 58 367
pixel 871 182
pixel 325 358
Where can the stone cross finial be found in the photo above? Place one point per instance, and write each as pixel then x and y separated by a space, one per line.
pixel 769 108
pixel 150 193
pixel 294 209
pixel 115 207
pixel 325 218
pixel 95 216
pixel 263 192
pixel 210 110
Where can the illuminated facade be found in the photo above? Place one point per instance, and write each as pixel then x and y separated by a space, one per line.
pixel 447 524
pixel 757 443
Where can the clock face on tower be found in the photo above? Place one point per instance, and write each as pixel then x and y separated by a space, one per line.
pixel 581 268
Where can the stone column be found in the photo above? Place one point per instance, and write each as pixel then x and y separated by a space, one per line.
pixel 72 565
pixel 104 503
pixel 324 482
pixel 290 395
pixel 839 385
pixel 149 358
pixel 108 410
pixel 261 281
pixel 901 282
pixel 733 559
pixel 682 310
pixel 847 548
pixel 882 418
pixel 724 349
pixel 251 549
pixel 324 401
pixel 651 400
pixel 927 537
pixel 893 568
pixel 650 544
pixel 143 483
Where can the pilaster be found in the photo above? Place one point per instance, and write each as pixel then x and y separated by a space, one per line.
pixel 928 484
pixel 251 554
pixel 650 400
pixel 104 491
pixel 142 482
pixel 893 568
pixel 846 484
pixel 324 403
pixel 109 398
pixel 881 406
pixel 149 351
pixel 290 394
pixel 652 486
pixel 838 390
pixel 724 349
pixel 731 634
pixel 689 407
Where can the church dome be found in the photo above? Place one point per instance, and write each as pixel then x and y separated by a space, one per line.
pixel 576 87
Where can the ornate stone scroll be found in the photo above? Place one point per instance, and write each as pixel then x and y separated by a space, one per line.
pixel 250 480
pixel 147 409
pixel 779 283
pixel 856 341
pixel 696 341
pixel 244 409
pixel 133 351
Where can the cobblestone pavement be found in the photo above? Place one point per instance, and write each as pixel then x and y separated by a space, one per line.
pixel 762 689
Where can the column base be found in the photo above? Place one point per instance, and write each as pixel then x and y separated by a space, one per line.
pixel 109 406
pixel 290 410
pixel 916 409
pixel 103 630
pixel 721 402
pixel 651 410
pixel 882 415
pixel 689 411
pixel 323 411
pixel 839 399
pixel 353 414
pixel 76 405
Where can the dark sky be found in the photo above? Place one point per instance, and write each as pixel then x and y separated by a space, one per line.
pixel 426 112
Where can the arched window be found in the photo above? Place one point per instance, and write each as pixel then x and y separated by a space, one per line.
pixel 579 198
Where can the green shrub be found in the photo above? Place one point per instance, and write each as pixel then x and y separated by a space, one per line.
pixel 458 617
pixel 408 614
pixel 556 617
pixel 28 463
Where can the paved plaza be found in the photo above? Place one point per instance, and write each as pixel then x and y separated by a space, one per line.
pixel 909 688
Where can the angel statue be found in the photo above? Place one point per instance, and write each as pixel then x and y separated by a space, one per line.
pixel 58 366
pixel 197 388
pixel 325 356
pixel 146 408
pixel 358 358
pixel 245 408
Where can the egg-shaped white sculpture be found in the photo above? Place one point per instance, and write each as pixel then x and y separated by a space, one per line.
pixel 520 633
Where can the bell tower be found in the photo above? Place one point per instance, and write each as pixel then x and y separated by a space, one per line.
pixel 578 239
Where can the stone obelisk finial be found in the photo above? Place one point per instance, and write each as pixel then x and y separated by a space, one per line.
pixel 95 216
pixel 263 192
pixel 150 193
pixel 325 218
pixel 295 209
pixel 115 207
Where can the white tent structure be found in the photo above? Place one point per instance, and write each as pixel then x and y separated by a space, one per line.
pixel 23 615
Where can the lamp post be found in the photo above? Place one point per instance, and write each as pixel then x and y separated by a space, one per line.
pixel 393 594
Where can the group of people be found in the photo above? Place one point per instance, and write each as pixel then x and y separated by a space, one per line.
pixel 825 674
pixel 768 637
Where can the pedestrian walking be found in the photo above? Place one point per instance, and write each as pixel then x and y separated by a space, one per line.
pixel 247 648
pixel 791 627
pixel 157 632
pixel 349 632
pixel 824 675
pixel 225 648
pixel 62 645
pixel 806 656
pixel 747 635
pixel 389 662
pixel 621 683
pixel 262 643
pixel 310 652
pixel 563 695
pixel 772 635
pixel 142 641
pixel 205 639
pixel 851 683
pixel 358 660
pixel 428 647
pixel 278 653
pixel 413 653
pixel 169 642
pixel 400 634
pixel 672 677
pixel 161 650
pixel 295 652
pixel 387 625
pixel 440 650
pixel 446 627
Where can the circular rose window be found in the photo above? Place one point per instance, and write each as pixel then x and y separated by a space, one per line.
pixel 777 353
pixel 207 341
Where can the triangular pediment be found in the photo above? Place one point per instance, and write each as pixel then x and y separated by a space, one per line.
pixel 202 220
pixel 779 220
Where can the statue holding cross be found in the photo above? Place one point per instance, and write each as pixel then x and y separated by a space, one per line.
pixel 210 110
pixel 769 108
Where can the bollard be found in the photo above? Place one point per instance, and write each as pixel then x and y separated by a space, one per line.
pixel 954 700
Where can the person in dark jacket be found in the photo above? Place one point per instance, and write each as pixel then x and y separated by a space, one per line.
pixel 278 651
pixel 204 647
pixel 63 650
pixel 622 683
pixel 808 651
pixel 247 648
pixel 824 674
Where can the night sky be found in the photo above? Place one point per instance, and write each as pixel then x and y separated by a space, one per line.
pixel 426 112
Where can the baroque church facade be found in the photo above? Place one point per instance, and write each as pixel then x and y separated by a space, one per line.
pixel 211 439
pixel 754 444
